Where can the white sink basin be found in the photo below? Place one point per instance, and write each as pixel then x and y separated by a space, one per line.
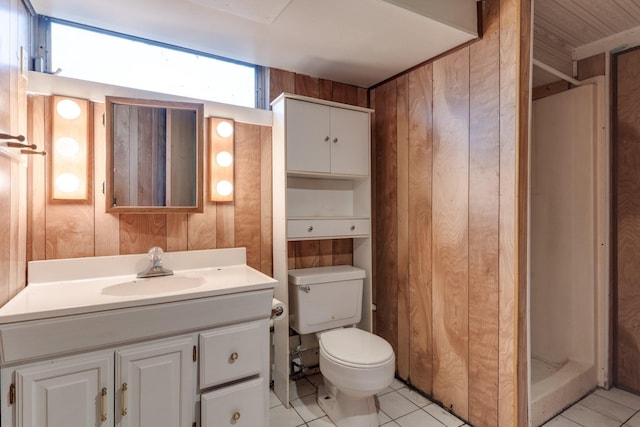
pixel 154 285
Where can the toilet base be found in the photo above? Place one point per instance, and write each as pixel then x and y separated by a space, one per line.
pixel 347 411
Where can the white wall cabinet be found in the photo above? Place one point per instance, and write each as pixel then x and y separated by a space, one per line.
pixel 321 190
pixel 326 138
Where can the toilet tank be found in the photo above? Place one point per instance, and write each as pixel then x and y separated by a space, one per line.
pixel 322 298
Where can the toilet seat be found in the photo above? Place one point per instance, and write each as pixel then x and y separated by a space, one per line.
pixel 356 348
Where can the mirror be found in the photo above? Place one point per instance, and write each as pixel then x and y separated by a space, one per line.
pixel 154 156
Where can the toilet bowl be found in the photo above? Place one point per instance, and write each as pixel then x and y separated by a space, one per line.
pixel 356 365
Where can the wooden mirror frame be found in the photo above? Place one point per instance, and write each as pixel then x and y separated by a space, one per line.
pixel 170 105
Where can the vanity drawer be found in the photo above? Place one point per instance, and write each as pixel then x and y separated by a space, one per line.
pixel 240 405
pixel 315 228
pixel 232 353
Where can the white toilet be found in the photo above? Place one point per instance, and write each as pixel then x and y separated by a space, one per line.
pixel 355 364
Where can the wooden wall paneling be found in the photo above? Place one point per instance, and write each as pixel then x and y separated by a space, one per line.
pixel 37 179
pixel 522 215
pixel 225 227
pixel 363 98
pixel 342 252
pixel 386 215
pixel 326 89
pixel 307 86
pixel 248 155
pixel 420 262
pixel 177 232
pixel 402 140
pixel 325 253
pixel 280 81
pixel 307 253
pixel 509 75
pixel 347 94
pixel 69 224
pixel 107 226
pixel 140 232
pixel 627 227
pixel 484 189
pixel 450 230
pixel 266 205
pixel 550 89
pixel 291 255
pixel 591 67
pixel 17 267
pixel 5 227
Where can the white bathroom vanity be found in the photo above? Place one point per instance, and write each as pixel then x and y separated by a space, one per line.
pixel 86 343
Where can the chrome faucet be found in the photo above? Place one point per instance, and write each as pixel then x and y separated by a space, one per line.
pixel 156 268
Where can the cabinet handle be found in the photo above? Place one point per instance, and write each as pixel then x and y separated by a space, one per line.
pixel 103 418
pixel 353 227
pixel 326 139
pixel 235 417
pixel 124 399
pixel 20 138
pixel 335 140
pixel 41 153
pixel 310 229
pixel 233 357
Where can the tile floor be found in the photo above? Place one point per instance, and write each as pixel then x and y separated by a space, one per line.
pixel 602 408
pixel 399 406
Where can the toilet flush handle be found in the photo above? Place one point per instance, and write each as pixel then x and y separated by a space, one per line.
pixel 305 288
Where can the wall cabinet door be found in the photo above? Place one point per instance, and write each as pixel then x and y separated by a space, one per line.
pixel 154 384
pixel 70 393
pixel 308 137
pixel 326 139
pixel 349 142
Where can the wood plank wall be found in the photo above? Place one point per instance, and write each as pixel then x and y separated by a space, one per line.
pixel 70 230
pixel 626 226
pixel 450 157
pixel 317 253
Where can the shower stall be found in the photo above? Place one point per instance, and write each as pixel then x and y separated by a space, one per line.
pixel 568 248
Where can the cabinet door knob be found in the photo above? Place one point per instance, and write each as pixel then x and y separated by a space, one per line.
pixel 233 357
pixel 310 229
pixel 236 416
pixel 326 139
pixel 335 140
pixel 353 227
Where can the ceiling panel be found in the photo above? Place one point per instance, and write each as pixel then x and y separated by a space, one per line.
pixel 561 26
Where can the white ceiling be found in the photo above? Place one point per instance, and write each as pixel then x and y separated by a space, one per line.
pixel 360 42
pixel 563 28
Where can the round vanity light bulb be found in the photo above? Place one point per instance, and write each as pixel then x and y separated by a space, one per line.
pixel 224 159
pixel 224 187
pixel 67 147
pixel 67 182
pixel 224 129
pixel 68 109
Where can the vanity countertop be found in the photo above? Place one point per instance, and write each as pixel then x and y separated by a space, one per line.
pixel 86 285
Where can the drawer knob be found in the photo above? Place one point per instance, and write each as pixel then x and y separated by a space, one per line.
pixel 236 416
pixel 326 139
pixel 233 357
pixel 353 227
pixel 310 229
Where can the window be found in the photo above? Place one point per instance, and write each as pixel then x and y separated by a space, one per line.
pixel 94 55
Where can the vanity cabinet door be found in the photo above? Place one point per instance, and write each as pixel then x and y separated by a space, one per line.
pixel 154 384
pixel 74 392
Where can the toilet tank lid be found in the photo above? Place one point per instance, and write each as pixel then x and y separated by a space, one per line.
pixel 335 273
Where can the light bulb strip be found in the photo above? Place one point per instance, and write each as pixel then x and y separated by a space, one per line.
pixel 221 159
